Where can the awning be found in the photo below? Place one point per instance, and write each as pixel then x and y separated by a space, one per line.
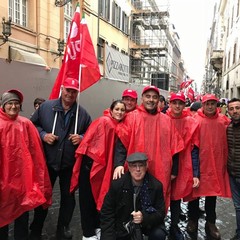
pixel 27 57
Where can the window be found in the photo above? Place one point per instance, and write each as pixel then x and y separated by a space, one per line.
pixel 101 43
pixel 238 5
pixel 104 9
pixel 115 47
pixel 116 15
pixel 234 53
pixel 68 15
pixel 125 21
pixel 229 54
pixel 18 11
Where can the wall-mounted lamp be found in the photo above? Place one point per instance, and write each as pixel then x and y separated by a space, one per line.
pixel 6 29
pixel 60 48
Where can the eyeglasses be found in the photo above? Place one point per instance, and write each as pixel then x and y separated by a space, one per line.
pixel 16 104
pixel 137 165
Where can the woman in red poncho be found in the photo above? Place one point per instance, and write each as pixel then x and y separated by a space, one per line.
pixel 24 180
pixel 97 144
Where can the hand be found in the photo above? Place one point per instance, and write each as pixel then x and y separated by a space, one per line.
pixel 118 172
pixel 50 138
pixel 173 177
pixel 137 217
pixel 196 182
pixel 75 138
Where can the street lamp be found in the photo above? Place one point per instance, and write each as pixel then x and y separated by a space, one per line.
pixel 60 48
pixel 6 29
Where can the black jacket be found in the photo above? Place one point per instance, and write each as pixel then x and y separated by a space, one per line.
pixel 62 153
pixel 118 206
pixel 233 138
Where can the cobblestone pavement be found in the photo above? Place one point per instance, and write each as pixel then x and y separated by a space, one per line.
pixel 225 220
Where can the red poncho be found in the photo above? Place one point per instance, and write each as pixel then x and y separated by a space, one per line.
pixel 24 180
pixel 98 144
pixel 214 180
pixel 157 136
pixel 189 130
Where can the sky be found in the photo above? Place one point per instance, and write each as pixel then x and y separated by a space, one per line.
pixel 192 20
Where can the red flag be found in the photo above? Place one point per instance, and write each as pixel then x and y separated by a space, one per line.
pixel 190 94
pixel 186 83
pixel 79 52
pixel 90 67
pixel 182 85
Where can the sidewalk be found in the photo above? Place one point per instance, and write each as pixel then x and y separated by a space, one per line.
pixel 225 220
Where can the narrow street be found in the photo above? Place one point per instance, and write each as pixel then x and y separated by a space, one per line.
pixel 225 220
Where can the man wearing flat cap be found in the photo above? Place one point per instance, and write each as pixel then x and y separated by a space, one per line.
pixel 214 179
pixel 24 179
pixel 136 198
pixel 148 130
pixel 55 121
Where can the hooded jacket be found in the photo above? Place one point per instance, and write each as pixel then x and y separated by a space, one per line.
pixel 24 179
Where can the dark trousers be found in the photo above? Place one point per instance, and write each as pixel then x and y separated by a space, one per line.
pixel 88 212
pixel 158 233
pixel 175 208
pixel 235 188
pixel 67 202
pixel 20 228
pixel 210 209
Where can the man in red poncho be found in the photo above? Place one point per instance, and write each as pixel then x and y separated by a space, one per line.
pixel 213 165
pixel 188 170
pixel 129 97
pixel 24 180
pixel 148 130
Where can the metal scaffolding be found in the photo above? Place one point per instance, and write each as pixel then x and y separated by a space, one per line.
pixel 149 43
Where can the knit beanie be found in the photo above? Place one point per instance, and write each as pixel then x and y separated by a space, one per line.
pixel 11 95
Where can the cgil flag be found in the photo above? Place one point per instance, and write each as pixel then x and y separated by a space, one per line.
pixel 186 84
pixel 79 54
pixel 190 94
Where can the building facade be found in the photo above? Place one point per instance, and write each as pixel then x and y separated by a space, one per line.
pixel 134 43
pixel 222 75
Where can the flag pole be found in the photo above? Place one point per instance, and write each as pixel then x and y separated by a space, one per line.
pixel 56 114
pixel 78 99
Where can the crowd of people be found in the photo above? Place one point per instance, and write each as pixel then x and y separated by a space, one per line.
pixel 130 166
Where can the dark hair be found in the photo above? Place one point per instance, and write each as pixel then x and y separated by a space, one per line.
pixel 38 101
pixel 162 98
pixel 234 100
pixel 195 106
pixel 114 103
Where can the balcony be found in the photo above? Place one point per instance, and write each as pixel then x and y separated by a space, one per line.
pixel 216 60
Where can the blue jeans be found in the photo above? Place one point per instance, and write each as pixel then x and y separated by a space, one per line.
pixel 235 188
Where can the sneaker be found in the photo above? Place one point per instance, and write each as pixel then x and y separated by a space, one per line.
pixel 98 232
pixel 91 238
pixel 175 234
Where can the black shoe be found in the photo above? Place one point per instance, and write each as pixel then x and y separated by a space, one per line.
pixel 192 226
pixel 175 234
pixel 34 235
pixel 212 231
pixel 236 237
pixel 64 233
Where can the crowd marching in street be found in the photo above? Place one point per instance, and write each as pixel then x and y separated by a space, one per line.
pixel 130 166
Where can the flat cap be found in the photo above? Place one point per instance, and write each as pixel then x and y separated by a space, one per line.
pixel 137 157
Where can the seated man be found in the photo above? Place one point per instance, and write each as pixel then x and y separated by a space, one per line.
pixel 136 198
